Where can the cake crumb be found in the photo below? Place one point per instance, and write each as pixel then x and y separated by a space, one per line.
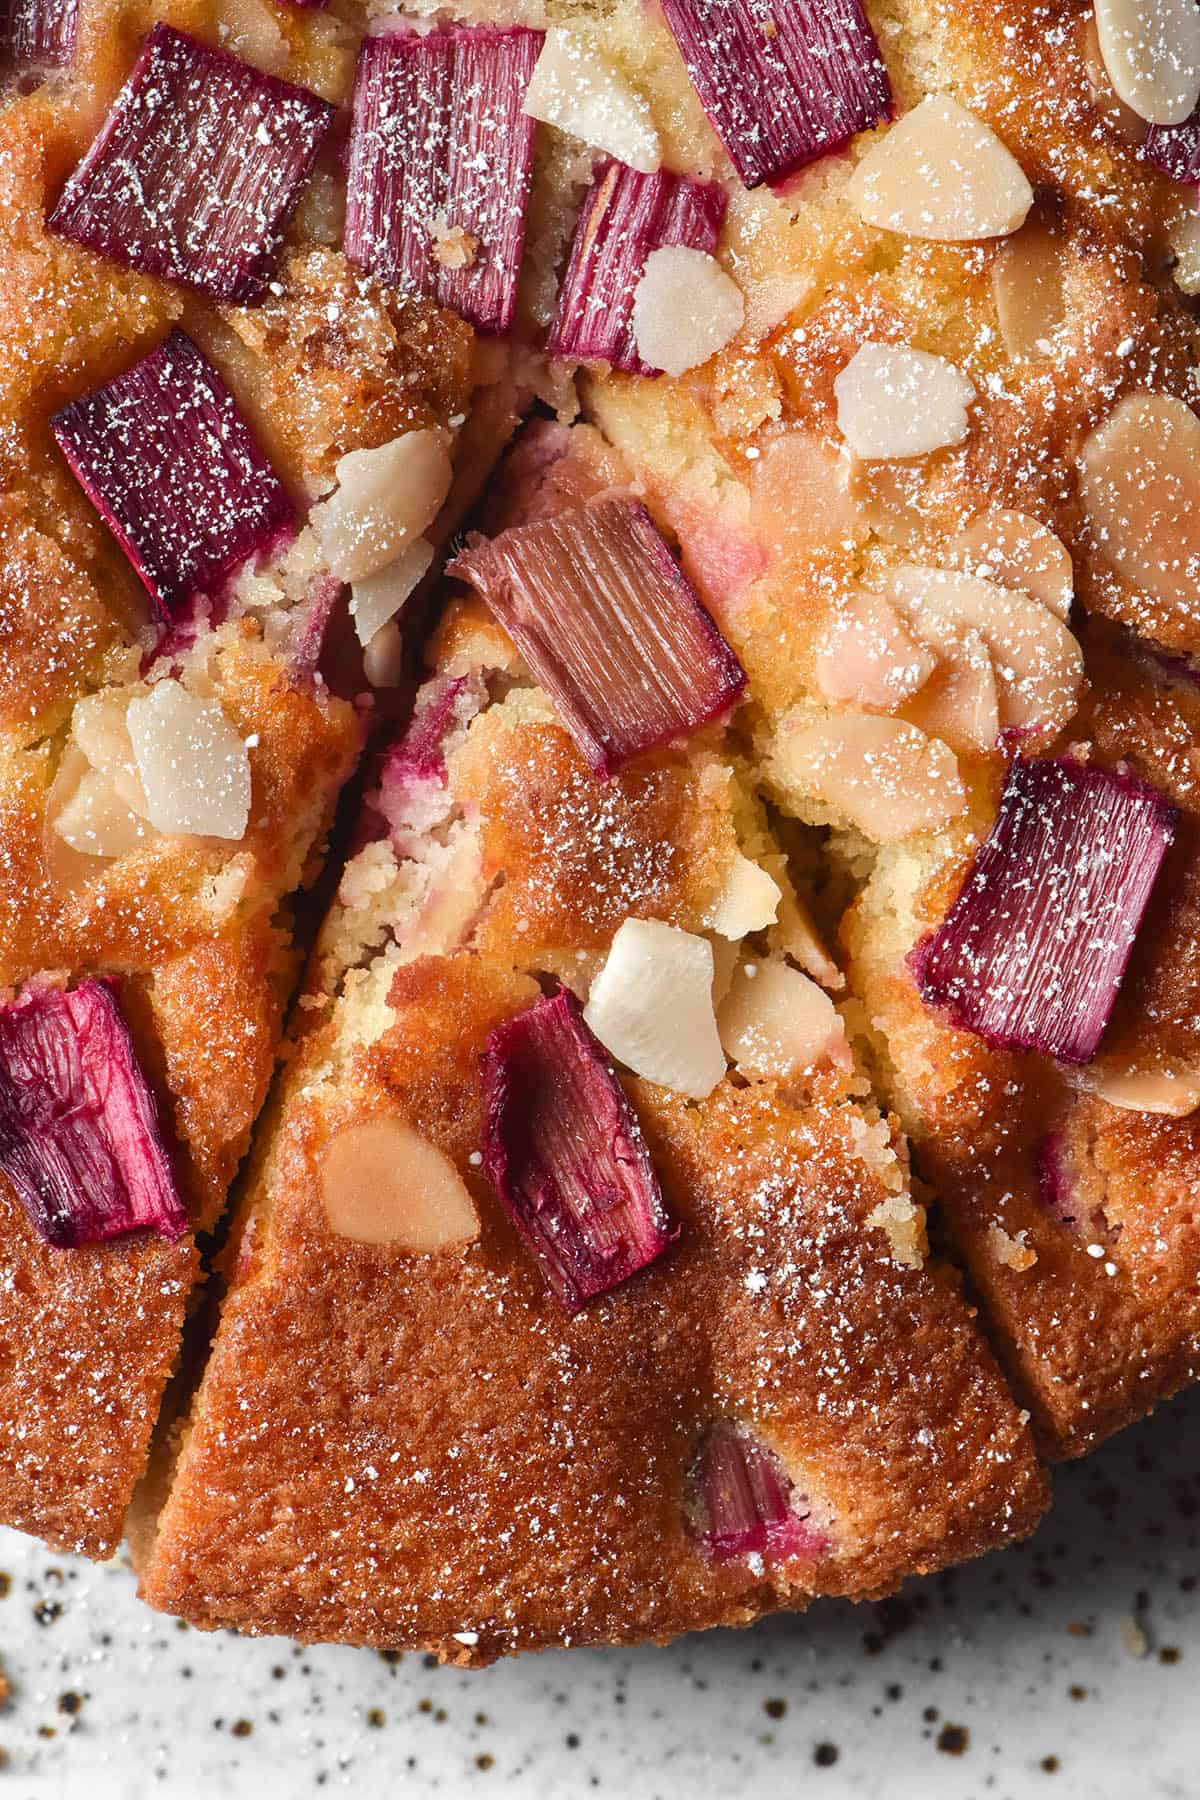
pixel 903 1221
pixel 1133 1638
pixel 453 246
pixel 1012 1250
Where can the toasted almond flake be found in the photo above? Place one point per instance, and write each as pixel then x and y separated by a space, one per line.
pixel 383 1183
pixel 1151 50
pixel 1018 552
pixel 903 1222
pixel 378 597
pixel 1133 1639
pixel 1123 120
pixel 195 769
pixel 726 952
pixel 1141 490
pixel 1028 288
pixel 1185 242
pixel 651 1006
pixel 774 1021
pixel 868 659
pixel 748 900
pixel 893 401
pixel 383 657
pixel 1010 1250
pixel 941 173
pixel 96 821
pixel 384 499
pixel 883 776
pixel 1038 664
pixel 685 309
pixel 961 704
pixel 579 90
pixel 98 727
pixel 1173 1096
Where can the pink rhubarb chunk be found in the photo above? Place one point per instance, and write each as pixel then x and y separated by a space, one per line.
pixel 39 31
pixel 610 626
pixel 626 215
pixel 565 1152
pixel 441 158
pixel 744 1504
pixel 165 455
pixel 1175 149
pixel 782 81
pixel 1032 953
pixel 79 1133
pixel 197 169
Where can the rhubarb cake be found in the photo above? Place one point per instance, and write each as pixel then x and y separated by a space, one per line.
pixel 226 455
pixel 580 1293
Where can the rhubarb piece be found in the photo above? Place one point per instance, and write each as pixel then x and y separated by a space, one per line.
pixel 79 1132
pixel 609 625
pixel 625 217
pixel 412 787
pixel 39 31
pixel 441 158
pixel 197 169
pixel 783 81
pixel 565 1152
pixel 1032 953
pixel 165 455
pixel 742 1502
pixel 1175 149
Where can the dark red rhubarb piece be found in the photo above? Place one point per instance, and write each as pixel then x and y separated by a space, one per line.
pixel 566 1155
pixel 79 1133
pixel 176 473
pixel 1032 953
pixel 783 81
pixel 609 625
pixel 625 216
pixel 441 157
pixel 1175 149
pixel 413 780
pixel 196 170
pixel 743 1503
pixel 39 31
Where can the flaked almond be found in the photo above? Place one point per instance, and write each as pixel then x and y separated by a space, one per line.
pixel 1173 1096
pixel 378 597
pixel 99 728
pixel 883 776
pixel 1018 552
pixel 1029 291
pixel 961 703
pixel 726 952
pixel 383 1183
pixel 748 900
pixel 1141 489
pixel 797 935
pixel 868 659
pixel 95 821
pixel 194 767
pixel 1151 50
pixel 384 499
pixel 685 309
pixel 383 657
pixel 1185 243
pixel 941 173
pixel 775 1021
pixel 578 89
pixel 893 401
pixel 800 496
pixel 651 1006
pixel 1038 664
pixel 1108 103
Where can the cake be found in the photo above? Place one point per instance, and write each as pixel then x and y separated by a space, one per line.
pixel 737 1122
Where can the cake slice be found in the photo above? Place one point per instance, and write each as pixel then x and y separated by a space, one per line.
pixel 227 456
pixel 579 1294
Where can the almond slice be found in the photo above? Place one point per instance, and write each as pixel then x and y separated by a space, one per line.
pixel 651 1006
pixel 774 1020
pixel 1185 242
pixel 1038 664
pixel 1108 103
pixel 883 776
pixel 576 88
pixel 95 820
pixel 1018 552
pixel 748 901
pixel 893 401
pixel 961 704
pixel 377 598
pixel 384 499
pixel 383 1183
pixel 99 728
pixel 194 767
pixel 1151 1091
pixel 868 659
pixel 1028 286
pixel 685 309
pixel 801 502
pixel 941 173
pixel 1151 50
pixel 1141 490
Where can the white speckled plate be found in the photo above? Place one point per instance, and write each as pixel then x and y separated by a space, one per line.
pixel 1018 1676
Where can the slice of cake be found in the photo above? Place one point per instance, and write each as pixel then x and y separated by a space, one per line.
pixel 226 457
pixel 580 1294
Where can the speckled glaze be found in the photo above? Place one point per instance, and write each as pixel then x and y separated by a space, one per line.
pixel 1065 1668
